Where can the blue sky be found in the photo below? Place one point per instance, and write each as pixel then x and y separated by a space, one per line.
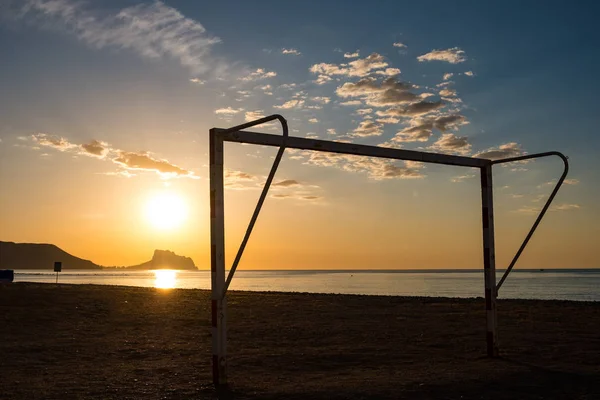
pixel 121 94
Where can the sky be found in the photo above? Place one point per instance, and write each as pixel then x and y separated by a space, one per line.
pixel 105 109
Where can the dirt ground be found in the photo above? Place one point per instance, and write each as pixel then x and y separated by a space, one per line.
pixel 108 342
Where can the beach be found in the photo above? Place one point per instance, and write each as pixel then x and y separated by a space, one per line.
pixel 109 342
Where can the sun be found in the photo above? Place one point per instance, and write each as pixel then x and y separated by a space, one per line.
pixel 165 278
pixel 166 211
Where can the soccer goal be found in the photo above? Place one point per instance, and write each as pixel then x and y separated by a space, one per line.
pixel 220 283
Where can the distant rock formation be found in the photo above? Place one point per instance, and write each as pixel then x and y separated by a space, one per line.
pixel 165 259
pixel 39 256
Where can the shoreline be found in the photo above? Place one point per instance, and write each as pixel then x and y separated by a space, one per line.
pixel 114 342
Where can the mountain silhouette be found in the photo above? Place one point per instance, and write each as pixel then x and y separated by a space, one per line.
pixel 42 256
pixel 165 259
pixel 39 256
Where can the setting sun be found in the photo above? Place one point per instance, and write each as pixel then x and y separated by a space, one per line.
pixel 166 211
pixel 165 278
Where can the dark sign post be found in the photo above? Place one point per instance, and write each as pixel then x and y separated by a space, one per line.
pixel 57 268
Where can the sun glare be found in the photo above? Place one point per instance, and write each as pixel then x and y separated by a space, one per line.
pixel 166 211
pixel 165 278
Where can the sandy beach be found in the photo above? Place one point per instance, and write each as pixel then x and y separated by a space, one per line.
pixel 108 342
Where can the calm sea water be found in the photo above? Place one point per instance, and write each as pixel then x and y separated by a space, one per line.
pixel 580 285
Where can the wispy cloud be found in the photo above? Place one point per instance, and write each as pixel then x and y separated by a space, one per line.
pixel 503 151
pixel 452 56
pixel 359 68
pixel 400 45
pixel 292 52
pixel 368 128
pixel 352 55
pixel 152 30
pixel 228 111
pixel 260 73
pixel 128 161
pixel 295 103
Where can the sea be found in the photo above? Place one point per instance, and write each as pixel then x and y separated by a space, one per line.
pixel 550 284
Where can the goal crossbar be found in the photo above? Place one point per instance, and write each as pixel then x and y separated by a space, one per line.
pixel 237 134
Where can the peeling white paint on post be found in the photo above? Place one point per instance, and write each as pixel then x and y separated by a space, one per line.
pixel 217 261
pixel 489 259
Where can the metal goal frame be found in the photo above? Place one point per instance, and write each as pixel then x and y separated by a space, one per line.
pixel 220 282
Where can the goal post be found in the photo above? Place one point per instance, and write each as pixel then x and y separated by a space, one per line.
pixel 237 134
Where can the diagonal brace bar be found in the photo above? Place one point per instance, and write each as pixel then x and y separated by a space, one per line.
pixel 546 206
pixel 264 192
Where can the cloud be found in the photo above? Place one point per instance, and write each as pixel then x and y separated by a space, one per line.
pixel 56 142
pixel 260 73
pixel 565 207
pixel 352 55
pixel 291 104
pixel 421 129
pixel 152 30
pixel 197 81
pixel 414 109
pixel 448 76
pixel 571 181
pixel 238 180
pixel 462 178
pixel 388 92
pixel 321 99
pixel 95 148
pixel 131 161
pixel 450 143
pixel 360 67
pixel 469 73
pixel 447 92
pixel 388 120
pixel 293 52
pixel 453 56
pixel 503 151
pixel 322 79
pixel 287 183
pixel 228 111
pixel 401 45
pixel 351 103
pixel 364 111
pixel 389 72
pixel 313 120
pixel 143 161
pixel 331 131
pixel 253 115
pixel 367 128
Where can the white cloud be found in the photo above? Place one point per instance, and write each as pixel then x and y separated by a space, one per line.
pixel 469 73
pixel 462 178
pixel 401 45
pixel 152 30
pixel 447 92
pixel 228 111
pixel 197 81
pixel 321 99
pixel 291 104
pixel 331 131
pixel 389 72
pixel 367 128
pixel 313 120
pixel 453 56
pixel 260 73
pixel 388 120
pixel 351 103
pixel 571 181
pixel 364 111
pixel 448 76
pixel 352 55
pixel 360 67
pixel 293 52
pixel 322 79
pixel 565 207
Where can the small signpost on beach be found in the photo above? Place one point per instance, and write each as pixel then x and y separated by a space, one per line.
pixel 57 268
